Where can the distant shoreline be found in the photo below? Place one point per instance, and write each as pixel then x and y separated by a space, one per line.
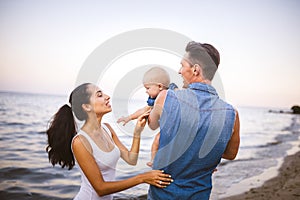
pixel 293 110
pixel 33 93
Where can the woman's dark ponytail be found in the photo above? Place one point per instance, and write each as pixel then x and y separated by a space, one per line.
pixel 63 127
pixel 60 133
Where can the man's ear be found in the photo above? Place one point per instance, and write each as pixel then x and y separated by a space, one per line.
pixel 197 70
pixel 87 107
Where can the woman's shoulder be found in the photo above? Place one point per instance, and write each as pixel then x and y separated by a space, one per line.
pixel 80 141
pixel 107 127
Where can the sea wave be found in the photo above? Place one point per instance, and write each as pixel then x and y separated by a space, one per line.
pixel 25 171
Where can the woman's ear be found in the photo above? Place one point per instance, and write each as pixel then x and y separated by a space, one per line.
pixel 86 107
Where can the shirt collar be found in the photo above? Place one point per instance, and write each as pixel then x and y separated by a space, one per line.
pixel 203 87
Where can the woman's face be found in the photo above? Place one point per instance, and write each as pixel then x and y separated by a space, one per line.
pixel 99 101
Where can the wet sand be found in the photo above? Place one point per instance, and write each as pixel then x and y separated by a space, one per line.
pixel 285 186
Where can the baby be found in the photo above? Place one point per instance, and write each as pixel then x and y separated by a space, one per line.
pixel 155 80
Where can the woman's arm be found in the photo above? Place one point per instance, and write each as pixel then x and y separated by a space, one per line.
pixel 131 156
pixel 91 170
pixel 234 142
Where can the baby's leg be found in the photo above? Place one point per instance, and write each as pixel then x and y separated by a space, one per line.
pixel 154 149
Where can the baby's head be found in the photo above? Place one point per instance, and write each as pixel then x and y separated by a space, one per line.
pixel 155 80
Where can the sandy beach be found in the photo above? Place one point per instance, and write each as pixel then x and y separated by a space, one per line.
pixel 285 186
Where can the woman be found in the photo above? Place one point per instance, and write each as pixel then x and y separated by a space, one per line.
pixel 96 147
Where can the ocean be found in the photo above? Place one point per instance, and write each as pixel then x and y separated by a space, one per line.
pixel 25 172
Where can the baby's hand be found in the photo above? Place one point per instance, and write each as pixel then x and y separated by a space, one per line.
pixel 150 164
pixel 125 120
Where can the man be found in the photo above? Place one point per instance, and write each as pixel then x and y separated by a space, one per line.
pixel 197 128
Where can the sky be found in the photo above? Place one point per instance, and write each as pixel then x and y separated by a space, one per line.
pixel 43 44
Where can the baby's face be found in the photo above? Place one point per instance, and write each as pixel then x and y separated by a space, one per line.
pixel 152 89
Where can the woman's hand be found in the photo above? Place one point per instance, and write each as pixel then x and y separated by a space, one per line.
pixel 157 178
pixel 141 122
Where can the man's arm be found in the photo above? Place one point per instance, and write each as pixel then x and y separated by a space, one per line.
pixel 234 142
pixel 153 119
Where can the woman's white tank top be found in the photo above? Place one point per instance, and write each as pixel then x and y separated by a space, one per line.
pixel 106 161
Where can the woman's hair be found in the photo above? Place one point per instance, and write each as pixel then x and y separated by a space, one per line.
pixel 62 128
